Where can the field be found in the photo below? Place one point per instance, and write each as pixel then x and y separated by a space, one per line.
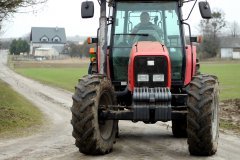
pixel 229 78
pixel 228 74
pixel 16 113
pixel 65 78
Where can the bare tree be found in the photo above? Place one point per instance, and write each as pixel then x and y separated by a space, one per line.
pixel 214 25
pixel 210 30
pixel 8 7
pixel 235 29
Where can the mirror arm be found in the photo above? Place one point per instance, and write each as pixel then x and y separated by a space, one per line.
pixel 188 1
pixel 191 9
pixel 189 28
pixel 191 44
pixel 99 2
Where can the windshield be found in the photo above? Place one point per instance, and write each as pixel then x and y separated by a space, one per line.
pixel 135 22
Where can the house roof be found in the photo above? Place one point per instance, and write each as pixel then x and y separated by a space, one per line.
pixel 50 32
pixel 229 42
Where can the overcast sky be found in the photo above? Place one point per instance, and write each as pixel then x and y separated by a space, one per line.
pixel 67 14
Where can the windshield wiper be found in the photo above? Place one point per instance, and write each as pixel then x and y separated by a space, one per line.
pixel 133 34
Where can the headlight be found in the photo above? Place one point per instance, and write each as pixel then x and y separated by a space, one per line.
pixel 158 78
pixel 143 78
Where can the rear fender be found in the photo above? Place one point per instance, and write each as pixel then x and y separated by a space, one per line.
pixel 188 74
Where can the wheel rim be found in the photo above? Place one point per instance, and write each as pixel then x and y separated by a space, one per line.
pixel 214 118
pixel 105 126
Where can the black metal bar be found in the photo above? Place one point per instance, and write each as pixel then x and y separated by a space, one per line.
pixel 128 115
pixel 191 44
pixel 116 115
pixel 177 115
pixel 179 108
pixel 188 1
pixel 122 93
pixel 191 10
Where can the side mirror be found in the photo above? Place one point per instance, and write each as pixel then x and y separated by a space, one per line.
pixel 87 9
pixel 205 10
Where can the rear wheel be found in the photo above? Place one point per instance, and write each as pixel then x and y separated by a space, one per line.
pixel 93 136
pixel 202 118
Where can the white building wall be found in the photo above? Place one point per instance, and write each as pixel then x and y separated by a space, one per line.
pixel 226 52
pixel 46 52
pixel 236 55
pixel 58 47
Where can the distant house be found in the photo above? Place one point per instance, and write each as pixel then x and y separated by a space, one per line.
pixel 46 41
pixel 230 48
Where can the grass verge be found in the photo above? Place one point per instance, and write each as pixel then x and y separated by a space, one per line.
pixel 16 113
pixel 65 78
pixel 228 75
pixel 229 115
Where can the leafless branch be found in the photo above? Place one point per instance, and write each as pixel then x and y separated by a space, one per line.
pixel 7 7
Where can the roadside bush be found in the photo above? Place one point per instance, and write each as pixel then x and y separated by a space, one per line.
pixel 19 46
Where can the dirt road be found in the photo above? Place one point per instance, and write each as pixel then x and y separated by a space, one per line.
pixel 54 141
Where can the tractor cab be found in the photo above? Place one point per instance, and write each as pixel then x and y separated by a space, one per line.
pixel 162 23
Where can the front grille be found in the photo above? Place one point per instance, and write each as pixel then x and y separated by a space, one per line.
pixel 141 67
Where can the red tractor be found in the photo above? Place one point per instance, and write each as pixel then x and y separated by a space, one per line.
pixel 143 70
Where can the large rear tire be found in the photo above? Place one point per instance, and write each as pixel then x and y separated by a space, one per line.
pixel 93 136
pixel 203 115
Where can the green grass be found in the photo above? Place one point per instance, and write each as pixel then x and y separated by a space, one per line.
pixel 65 78
pixel 228 75
pixel 16 113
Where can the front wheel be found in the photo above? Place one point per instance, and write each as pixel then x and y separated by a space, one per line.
pixel 93 136
pixel 203 115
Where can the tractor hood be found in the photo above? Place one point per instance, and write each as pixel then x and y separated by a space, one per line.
pixel 148 51
pixel 149 48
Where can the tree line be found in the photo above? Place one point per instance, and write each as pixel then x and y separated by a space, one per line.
pixel 21 46
pixel 79 50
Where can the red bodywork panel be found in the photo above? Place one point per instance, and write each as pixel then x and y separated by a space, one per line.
pixel 98 59
pixel 188 74
pixel 147 48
